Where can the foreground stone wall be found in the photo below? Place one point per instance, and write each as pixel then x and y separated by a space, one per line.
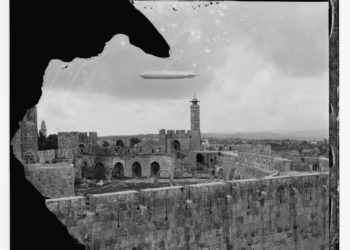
pixel 52 180
pixel 273 213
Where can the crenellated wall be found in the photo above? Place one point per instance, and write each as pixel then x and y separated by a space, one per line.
pixel 272 213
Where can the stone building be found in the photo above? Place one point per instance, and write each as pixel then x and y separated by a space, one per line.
pixel 80 141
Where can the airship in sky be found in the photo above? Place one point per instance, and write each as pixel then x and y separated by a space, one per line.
pixel 167 75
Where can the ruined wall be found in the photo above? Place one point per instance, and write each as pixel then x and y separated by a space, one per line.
pixel 274 213
pixel 52 180
pixel 263 161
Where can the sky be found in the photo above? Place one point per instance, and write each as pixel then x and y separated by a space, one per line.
pixel 260 66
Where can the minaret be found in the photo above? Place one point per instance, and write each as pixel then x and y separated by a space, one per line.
pixel 195 142
pixel 43 130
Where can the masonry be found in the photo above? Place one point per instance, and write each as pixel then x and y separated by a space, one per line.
pixel 272 213
pixel 52 180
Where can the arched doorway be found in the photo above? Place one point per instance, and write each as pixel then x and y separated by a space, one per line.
pixel 155 168
pixel 100 172
pixel 84 170
pixel 136 169
pixel 200 158
pixel 175 146
pixel 118 170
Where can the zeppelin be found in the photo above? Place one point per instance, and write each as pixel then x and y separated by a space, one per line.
pixel 167 75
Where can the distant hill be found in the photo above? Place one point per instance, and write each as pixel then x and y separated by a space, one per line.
pixel 317 134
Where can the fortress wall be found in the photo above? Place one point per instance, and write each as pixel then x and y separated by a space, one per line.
pixel 45 156
pixel 244 171
pixel 266 162
pixel 272 213
pixel 52 180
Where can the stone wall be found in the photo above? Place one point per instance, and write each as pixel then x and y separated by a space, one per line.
pixel 242 170
pixel 54 155
pixel 52 180
pixel 273 213
pixel 263 161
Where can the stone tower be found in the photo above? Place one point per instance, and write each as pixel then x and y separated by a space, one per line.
pixel 25 141
pixel 43 130
pixel 195 142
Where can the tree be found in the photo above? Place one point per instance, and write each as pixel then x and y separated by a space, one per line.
pixel 51 142
pixel 119 143
pixel 41 141
pixel 134 141
pixel 105 144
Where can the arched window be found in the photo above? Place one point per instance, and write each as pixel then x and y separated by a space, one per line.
pixel 155 168
pixel 136 169
pixel 118 170
pixel 100 172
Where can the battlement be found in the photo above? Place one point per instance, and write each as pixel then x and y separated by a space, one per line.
pixel 175 133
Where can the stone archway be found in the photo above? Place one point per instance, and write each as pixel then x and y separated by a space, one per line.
pixel 155 169
pixel 175 146
pixel 136 169
pixel 118 170
pixel 99 171
pixel 200 158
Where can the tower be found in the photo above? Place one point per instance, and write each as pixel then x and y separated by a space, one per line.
pixel 25 141
pixel 195 142
pixel 43 130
